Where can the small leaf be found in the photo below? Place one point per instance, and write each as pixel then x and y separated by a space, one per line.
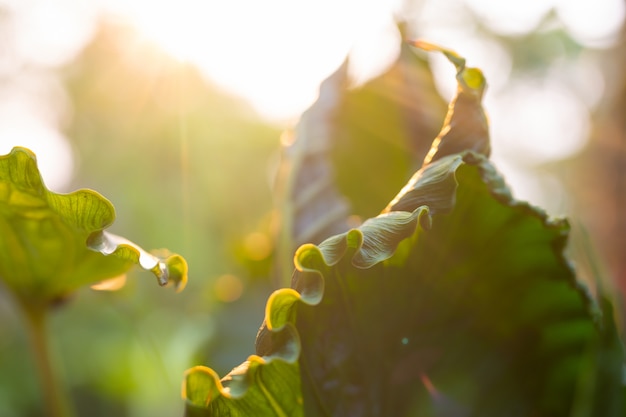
pixel 43 237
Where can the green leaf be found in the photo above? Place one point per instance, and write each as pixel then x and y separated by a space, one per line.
pixel 388 122
pixel 457 300
pixel 480 314
pixel 259 387
pixel 465 126
pixel 169 268
pixel 381 132
pixel 43 246
pixel 459 308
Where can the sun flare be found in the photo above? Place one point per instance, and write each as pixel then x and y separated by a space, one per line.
pixel 273 54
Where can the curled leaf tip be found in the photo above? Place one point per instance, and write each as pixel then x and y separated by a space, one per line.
pixel 176 271
pixel 200 385
pixel 168 268
pixel 53 243
pixel 466 127
pixel 470 79
pixel 456 59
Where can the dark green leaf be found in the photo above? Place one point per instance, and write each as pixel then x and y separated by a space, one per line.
pixel 481 314
pixel 456 301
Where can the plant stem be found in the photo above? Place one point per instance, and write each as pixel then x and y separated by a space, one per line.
pixel 55 402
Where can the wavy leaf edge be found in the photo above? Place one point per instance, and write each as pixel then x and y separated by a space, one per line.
pixel 311 261
pixel 22 171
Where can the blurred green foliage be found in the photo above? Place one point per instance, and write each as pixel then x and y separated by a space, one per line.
pixel 186 167
pixel 151 132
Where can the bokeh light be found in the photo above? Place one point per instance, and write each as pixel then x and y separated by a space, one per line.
pixel 228 288
pixel 540 122
pixel 594 24
pixel 257 246
pixel 510 19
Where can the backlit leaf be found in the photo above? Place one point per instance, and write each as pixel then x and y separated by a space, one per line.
pixel 44 237
pixel 457 300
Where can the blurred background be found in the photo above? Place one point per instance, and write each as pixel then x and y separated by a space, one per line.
pixel 174 111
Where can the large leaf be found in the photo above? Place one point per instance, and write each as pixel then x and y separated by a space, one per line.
pixel 51 244
pixel 479 313
pixel 457 300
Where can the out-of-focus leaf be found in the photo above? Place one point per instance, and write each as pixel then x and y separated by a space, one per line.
pixel 44 235
pixel 379 131
pixel 310 206
pixel 383 130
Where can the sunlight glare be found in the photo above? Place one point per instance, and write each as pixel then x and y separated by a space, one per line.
pixel 274 53
pixel 170 25
pixel 39 36
pixel 376 43
pixel 51 33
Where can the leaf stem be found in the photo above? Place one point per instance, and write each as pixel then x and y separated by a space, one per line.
pixel 55 401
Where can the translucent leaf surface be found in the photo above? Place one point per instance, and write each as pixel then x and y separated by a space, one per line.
pixel 456 301
pixel 347 135
pixel 483 306
pixel 44 235
pixel 473 309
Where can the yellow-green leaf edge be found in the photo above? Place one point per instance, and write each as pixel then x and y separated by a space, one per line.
pixel 278 339
pixel 76 219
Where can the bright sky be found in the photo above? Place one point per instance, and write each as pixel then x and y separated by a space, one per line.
pixel 276 52
pixel 272 52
